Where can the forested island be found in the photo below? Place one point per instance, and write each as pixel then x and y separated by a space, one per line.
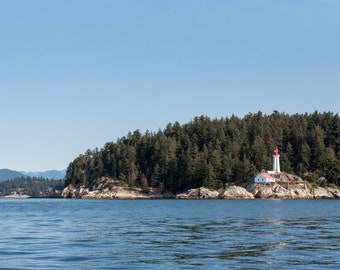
pixel 36 187
pixel 214 153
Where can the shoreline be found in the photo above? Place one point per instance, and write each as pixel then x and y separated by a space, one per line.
pixel 253 191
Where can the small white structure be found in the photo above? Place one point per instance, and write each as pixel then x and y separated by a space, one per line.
pixel 276 162
pixel 264 178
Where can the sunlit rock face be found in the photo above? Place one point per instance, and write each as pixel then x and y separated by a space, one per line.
pixel 235 192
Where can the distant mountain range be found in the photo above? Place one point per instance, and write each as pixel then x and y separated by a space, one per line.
pixel 6 174
pixel 51 174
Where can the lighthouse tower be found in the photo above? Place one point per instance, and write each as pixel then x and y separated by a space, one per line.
pixel 276 161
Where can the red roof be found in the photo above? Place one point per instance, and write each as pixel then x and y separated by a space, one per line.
pixel 267 175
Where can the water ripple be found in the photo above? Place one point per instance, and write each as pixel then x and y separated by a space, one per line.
pixel 169 234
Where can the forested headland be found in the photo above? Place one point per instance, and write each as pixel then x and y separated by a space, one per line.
pixel 214 152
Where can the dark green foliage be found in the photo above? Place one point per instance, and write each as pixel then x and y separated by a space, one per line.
pixel 32 186
pixel 213 152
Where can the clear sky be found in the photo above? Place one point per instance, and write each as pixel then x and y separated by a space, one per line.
pixel 75 74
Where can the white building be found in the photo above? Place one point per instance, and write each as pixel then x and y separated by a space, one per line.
pixel 264 178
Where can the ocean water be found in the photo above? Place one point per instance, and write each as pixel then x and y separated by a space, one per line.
pixel 169 234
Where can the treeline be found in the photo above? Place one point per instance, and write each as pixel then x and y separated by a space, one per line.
pixel 212 152
pixel 32 186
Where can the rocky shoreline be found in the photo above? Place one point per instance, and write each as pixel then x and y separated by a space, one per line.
pixel 17 196
pixel 107 188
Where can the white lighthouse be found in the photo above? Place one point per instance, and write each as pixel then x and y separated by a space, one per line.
pixel 276 161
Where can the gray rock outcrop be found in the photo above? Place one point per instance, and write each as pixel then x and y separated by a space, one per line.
pixel 323 193
pixel 199 193
pixel 108 188
pixel 293 191
pixel 236 192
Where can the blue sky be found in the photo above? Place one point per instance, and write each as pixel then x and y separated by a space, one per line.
pixel 75 74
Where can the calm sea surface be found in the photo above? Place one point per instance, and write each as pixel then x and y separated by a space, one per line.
pixel 169 234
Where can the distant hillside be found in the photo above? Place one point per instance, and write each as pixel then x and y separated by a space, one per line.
pixel 51 174
pixel 6 174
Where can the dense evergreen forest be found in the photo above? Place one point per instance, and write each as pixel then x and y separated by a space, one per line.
pixel 212 152
pixel 32 186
